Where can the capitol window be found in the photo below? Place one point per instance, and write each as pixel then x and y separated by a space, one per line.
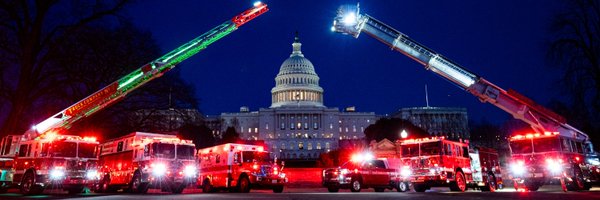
pixel 301 145
pixel 327 146
pixel 305 125
pixel 318 145
pixel 315 126
pixel 282 126
pixel 310 146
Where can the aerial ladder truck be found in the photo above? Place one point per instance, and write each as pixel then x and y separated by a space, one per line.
pixel 556 150
pixel 40 161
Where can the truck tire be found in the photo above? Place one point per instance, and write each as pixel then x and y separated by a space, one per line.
pixel 379 189
pixel 532 185
pixel 29 186
pixel 244 184
pixel 206 187
pixel 333 188
pixel 490 184
pixel 419 187
pixel 278 189
pixel 577 182
pixel 136 185
pixel 103 185
pixel 355 185
pixel 460 183
pixel 402 186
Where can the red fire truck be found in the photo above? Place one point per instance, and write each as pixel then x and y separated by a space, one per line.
pixel 437 161
pixel 570 151
pixel 52 161
pixel 537 158
pixel 239 167
pixel 139 161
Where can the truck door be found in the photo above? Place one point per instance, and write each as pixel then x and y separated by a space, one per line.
pixel 380 173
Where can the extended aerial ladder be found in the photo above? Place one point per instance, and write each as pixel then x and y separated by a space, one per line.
pixel 350 21
pixel 148 72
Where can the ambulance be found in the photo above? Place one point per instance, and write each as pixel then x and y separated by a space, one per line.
pixel 239 167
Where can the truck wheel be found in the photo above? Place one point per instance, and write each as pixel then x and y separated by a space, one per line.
pixel 137 186
pixel 355 185
pixel 577 182
pixel 29 186
pixel 419 187
pixel 206 187
pixel 490 184
pixel 102 186
pixel 378 189
pixel 460 184
pixel 244 184
pixel 333 189
pixel 278 189
pixel 402 186
pixel 532 186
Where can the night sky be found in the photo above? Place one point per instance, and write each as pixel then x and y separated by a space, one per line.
pixel 502 41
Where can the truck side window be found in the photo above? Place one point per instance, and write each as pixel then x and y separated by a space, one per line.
pixel 218 158
pixel 147 150
pixel 465 152
pixel 120 146
pixel 23 150
pixel 379 164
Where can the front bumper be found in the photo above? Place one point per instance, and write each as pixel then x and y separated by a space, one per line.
pixel 339 181
pixel 268 181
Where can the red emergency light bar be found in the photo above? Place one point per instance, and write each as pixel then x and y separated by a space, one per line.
pixel 534 135
pixel 427 139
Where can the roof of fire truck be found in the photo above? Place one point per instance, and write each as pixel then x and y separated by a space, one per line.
pixel 53 136
pixel 430 139
pixel 232 147
pixel 145 138
pixel 533 135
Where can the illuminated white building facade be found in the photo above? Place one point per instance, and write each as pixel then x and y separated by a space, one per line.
pixel 297 125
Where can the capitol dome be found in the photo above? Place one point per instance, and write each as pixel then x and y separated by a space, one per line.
pixel 297 83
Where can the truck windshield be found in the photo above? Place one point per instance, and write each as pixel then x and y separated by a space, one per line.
pixel 520 146
pixel 87 150
pixel 430 149
pixel 63 149
pixel 185 152
pixel 410 150
pixel 162 150
pixel 546 144
pixel 251 156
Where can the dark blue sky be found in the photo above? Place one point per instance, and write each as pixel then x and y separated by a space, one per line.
pixel 502 41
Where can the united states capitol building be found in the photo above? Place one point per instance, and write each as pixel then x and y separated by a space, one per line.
pixel 298 125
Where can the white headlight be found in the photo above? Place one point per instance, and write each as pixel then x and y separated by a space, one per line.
pixel 159 169
pixel 553 166
pixel 190 171
pixel 517 168
pixel 405 171
pixel 57 173
pixel 91 174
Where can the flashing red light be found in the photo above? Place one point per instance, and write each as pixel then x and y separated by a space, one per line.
pixel 275 170
pixel 255 166
pixel 547 133
pixel 239 148
pixel 261 149
pixel 577 158
pixel 226 147
pixel 528 136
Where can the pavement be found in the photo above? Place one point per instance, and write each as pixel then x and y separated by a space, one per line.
pixel 550 192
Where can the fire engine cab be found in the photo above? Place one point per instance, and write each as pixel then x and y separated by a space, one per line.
pixel 239 167
pixel 139 161
pixel 52 161
pixel 538 158
pixel 437 161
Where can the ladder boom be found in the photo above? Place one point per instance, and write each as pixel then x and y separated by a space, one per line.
pixel 148 72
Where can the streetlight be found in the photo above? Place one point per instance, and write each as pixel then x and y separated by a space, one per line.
pixel 403 134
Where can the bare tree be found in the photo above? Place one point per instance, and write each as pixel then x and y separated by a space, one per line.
pixel 31 32
pixel 576 50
